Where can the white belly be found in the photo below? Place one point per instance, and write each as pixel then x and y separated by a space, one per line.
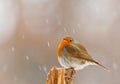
pixel 64 62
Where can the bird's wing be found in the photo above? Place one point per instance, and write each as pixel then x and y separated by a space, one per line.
pixel 81 47
pixel 76 53
pixel 82 51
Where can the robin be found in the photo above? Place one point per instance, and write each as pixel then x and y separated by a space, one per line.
pixel 74 55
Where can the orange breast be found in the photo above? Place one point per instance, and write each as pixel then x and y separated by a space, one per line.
pixel 65 42
pixel 60 47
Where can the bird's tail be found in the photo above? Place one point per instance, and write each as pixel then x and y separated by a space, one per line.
pixel 95 62
pixel 105 68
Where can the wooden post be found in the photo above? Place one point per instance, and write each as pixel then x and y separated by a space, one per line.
pixel 60 76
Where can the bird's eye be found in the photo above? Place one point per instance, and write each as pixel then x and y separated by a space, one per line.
pixel 71 40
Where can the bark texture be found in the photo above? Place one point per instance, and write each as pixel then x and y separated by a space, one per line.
pixel 60 76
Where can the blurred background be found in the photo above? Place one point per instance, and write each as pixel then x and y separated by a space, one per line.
pixel 30 31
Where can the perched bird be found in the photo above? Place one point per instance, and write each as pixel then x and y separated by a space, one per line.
pixel 74 55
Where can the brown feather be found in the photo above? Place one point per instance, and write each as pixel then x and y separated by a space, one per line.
pixel 81 54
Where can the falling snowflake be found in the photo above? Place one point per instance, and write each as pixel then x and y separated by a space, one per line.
pixel 12 48
pixel 45 69
pixel 115 66
pixel 48 43
pixel 47 21
pixel 27 58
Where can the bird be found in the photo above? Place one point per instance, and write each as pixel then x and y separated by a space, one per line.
pixel 74 55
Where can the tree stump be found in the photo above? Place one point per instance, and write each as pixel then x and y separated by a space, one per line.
pixel 60 76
